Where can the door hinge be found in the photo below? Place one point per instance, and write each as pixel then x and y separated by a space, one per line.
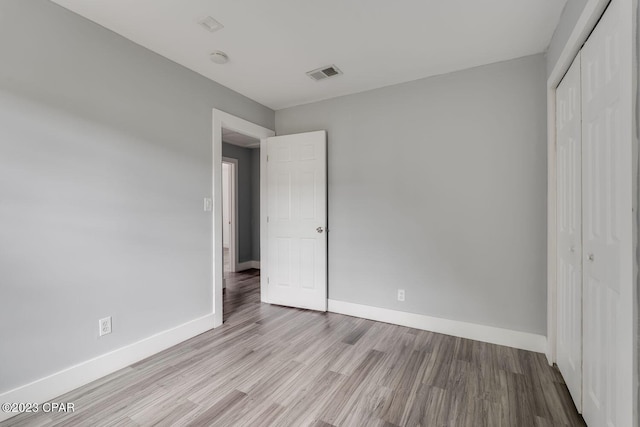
pixel 267 219
pixel 267 280
pixel 267 157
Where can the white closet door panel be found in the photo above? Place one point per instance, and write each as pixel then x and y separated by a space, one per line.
pixel 607 223
pixel 569 214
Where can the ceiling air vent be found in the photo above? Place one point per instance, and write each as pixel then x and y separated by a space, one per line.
pixel 210 24
pixel 324 72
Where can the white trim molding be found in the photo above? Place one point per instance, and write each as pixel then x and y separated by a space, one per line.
pixel 248 265
pixel 473 331
pixel 68 379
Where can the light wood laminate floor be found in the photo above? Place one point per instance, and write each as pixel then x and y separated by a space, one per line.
pixel 270 365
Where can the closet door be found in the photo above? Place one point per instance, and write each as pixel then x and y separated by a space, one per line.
pixel 607 221
pixel 569 220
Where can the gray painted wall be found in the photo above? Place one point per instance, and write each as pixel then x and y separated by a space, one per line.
pixel 105 157
pixel 247 204
pixel 637 115
pixel 438 186
pixel 570 14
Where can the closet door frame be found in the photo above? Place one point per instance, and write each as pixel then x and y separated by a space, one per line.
pixel 586 23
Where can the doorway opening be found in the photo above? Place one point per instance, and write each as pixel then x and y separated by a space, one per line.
pixel 235 129
pixel 240 219
pixel 237 178
pixel 291 220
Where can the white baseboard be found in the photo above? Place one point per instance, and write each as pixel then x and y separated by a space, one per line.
pixel 62 382
pixel 490 334
pixel 547 352
pixel 247 265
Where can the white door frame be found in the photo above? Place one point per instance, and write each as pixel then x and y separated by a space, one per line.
pixel 233 202
pixel 231 122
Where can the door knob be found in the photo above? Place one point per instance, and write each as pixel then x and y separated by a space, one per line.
pixel 572 249
pixel 591 257
pixel 319 229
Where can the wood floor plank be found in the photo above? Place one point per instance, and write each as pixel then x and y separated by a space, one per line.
pixel 344 397
pixel 225 405
pixel 263 418
pixel 170 412
pixel 357 333
pixel 305 408
pixel 277 366
pixel 437 372
pixel 404 388
pixel 368 408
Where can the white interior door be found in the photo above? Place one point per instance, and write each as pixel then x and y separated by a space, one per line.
pixel 297 220
pixel 569 223
pixel 226 204
pixel 607 222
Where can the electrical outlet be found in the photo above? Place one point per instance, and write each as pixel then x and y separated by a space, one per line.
pixel 104 326
pixel 400 294
pixel 208 204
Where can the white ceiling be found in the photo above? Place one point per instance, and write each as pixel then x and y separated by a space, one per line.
pixel 376 43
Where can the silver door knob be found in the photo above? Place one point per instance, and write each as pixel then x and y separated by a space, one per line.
pixel 591 257
pixel 572 249
pixel 319 229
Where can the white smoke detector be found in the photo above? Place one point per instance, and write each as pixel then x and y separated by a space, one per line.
pixel 324 72
pixel 219 57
